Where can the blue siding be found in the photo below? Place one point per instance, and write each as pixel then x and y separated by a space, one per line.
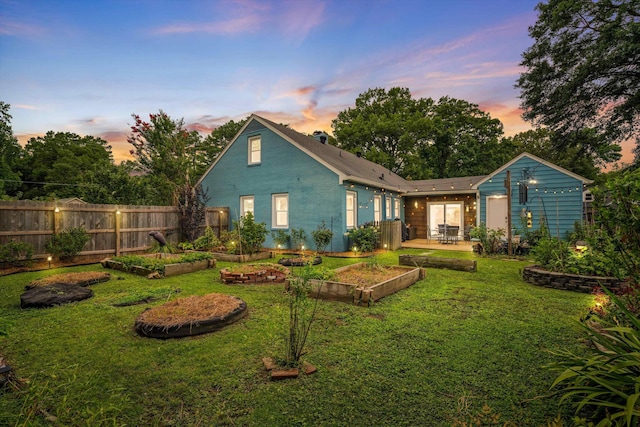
pixel 315 194
pixel 555 196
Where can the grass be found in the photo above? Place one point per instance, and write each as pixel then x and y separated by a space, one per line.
pixel 429 355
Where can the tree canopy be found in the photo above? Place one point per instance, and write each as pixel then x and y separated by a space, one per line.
pixel 583 70
pixel 10 153
pixel 215 142
pixel 421 138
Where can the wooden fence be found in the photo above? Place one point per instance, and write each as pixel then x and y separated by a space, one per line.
pixel 113 229
pixel 390 235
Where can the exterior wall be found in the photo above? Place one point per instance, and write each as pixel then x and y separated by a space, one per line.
pixel 315 194
pixel 555 198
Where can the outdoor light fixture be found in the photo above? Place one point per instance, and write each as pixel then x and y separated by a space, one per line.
pixel 385 246
pixel 433 188
pixel 452 185
pixel 581 245
pixel 49 259
pixel 57 209
pixel 118 212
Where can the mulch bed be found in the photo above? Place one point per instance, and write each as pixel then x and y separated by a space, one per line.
pixel 190 316
pixel 81 279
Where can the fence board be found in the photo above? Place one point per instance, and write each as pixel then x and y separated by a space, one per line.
pixel 112 228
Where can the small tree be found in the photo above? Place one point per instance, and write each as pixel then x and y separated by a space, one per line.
pixel 192 203
pixel 280 238
pixel 364 238
pixel 322 237
pixel 252 234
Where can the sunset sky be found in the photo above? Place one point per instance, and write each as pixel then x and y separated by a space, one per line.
pixel 86 66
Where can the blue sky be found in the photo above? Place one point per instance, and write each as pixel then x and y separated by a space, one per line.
pixel 86 66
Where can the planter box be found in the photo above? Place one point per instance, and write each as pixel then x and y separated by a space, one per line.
pixel 569 282
pixel 358 295
pixel 263 274
pixel 241 258
pixel 433 262
pixel 169 269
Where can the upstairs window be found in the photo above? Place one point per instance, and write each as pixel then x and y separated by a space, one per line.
pixel 255 148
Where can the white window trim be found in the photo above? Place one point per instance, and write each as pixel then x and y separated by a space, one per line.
pixel 396 208
pixel 377 208
pixel 244 211
pixel 387 207
pixel 251 152
pixel 275 212
pixel 352 213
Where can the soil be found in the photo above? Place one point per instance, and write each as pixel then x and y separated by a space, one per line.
pixel 367 276
pixel 253 268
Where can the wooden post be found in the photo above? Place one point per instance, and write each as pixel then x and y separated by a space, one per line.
pixel 117 218
pixel 508 186
pixel 56 218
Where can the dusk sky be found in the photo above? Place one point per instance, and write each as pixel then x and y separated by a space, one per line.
pixel 86 66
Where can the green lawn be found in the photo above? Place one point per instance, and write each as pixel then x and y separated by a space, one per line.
pixel 429 355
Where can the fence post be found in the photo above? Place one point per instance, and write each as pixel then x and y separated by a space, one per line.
pixel 56 218
pixel 117 218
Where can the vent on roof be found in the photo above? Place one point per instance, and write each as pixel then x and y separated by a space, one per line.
pixel 358 153
pixel 320 136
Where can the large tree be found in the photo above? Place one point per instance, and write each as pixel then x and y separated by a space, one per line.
pixel 582 152
pixel 421 138
pixel 583 70
pixel 166 152
pixel 385 127
pixel 58 164
pixel 10 153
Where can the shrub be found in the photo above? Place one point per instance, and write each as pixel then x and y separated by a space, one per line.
pixel 15 253
pixel 280 238
pixel 491 240
pixel 553 254
pixel 364 238
pixel 605 381
pixel 208 241
pixel 322 237
pixel 67 244
pixel 252 234
pixel 298 238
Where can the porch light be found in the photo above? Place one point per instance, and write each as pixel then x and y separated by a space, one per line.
pixel 433 187
pixel 415 204
pixel 118 212
pixel 533 181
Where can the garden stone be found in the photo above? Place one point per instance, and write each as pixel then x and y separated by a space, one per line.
pixel 48 296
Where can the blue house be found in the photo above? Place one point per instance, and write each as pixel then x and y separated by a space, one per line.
pixel 541 193
pixel 290 180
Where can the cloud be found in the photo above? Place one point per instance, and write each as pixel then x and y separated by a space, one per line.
pixel 20 29
pixel 25 107
pixel 293 19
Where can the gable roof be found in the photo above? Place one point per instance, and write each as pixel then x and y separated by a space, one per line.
pixel 539 160
pixel 458 185
pixel 346 165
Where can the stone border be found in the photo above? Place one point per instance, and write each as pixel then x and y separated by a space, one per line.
pixel 264 275
pixel 538 276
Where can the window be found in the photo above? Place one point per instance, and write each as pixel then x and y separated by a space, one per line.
pixel 280 211
pixel 377 208
pixel 396 208
pixel 387 207
pixel 352 213
pixel 254 150
pixel 246 205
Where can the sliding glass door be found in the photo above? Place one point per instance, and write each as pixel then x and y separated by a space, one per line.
pixel 444 213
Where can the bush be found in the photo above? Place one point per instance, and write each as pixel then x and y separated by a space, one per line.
pixel 491 240
pixel 298 238
pixel 15 253
pixel 252 234
pixel 605 381
pixel 553 254
pixel 322 237
pixel 67 244
pixel 280 238
pixel 208 241
pixel 364 238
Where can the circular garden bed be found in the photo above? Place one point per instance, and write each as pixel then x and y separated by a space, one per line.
pixel 189 316
pixel 254 273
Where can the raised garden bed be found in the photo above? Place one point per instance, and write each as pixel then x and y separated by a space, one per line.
pixel 254 273
pixel 570 282
pixel 220 256
pixel 161 264
pixel 361 284
pixel 296 260
pixel 189 316
pixel 434 262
